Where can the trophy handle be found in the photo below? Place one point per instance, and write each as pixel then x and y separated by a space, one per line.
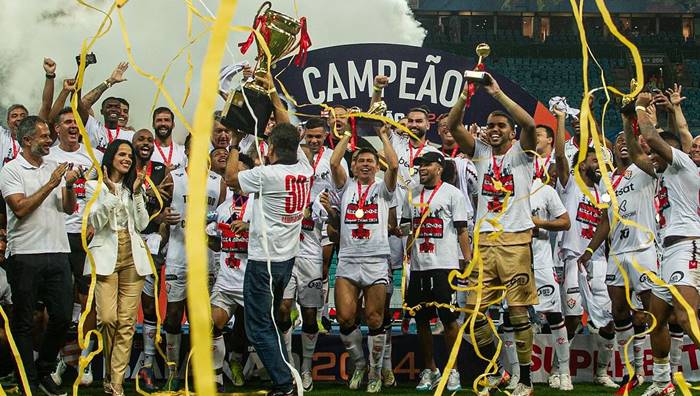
pixel 264 7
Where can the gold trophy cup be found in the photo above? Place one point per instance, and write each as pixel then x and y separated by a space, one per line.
pixel 280 32
pixel 478 76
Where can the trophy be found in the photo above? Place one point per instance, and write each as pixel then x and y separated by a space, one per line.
pixel 628 101
pixel 367 126
pixel 478 76
pixel 279 32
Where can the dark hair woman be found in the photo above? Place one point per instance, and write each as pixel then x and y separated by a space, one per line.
pixel 121 261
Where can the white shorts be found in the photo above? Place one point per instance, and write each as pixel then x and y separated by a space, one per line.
pixel 306 283
pixel 363 272
pixel 594 295
pixel 639 281
pixel 226 300
pixel 547 291
pixel 678 267
pixel 176 283
pixel 571 288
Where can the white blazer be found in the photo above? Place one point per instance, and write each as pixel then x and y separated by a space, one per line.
pixel 105 243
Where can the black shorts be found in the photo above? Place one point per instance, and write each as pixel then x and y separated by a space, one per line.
pixel 77 263
pixel 430 286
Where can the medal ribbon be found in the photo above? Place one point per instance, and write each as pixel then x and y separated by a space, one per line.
pixel 360 231
pixel 170 154
pixel 454 151
pixel 539 170
pixel 411 156
pixel 319 155
pixel 111 138
pixel 425 209
pixel 15 148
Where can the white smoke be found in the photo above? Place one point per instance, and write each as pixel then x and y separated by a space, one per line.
pixel 157 30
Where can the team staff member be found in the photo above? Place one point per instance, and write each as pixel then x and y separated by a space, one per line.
pixel 281 189
pixel 121 260
pixel 438 213
pixel 504 169
pixel 38 266
pixel 364 250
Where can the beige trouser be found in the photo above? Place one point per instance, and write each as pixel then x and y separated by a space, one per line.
pixel 117 298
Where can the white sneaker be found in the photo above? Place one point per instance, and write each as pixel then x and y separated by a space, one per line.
pixel 307 381
pixel 660 390
pixel 605 381
pixel 454 384
pixel 86 379
pixel 523 390
pixel 554 381
pixel 357 378
pixel 57 375
pixel 565 382
pixel 428 380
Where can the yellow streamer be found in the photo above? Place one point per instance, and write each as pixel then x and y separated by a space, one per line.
pixel 195 237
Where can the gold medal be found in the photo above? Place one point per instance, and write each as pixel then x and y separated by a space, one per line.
pixel 497 185
pixel 411 171
pixel 359 213
pixel 605 198
pixel 307 212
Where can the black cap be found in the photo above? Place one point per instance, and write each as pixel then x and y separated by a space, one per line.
pixel 429 157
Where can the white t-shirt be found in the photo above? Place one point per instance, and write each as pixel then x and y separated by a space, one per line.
pixel 169 155
pixel 545 204
pixel 44 229
pixel 9 147
pixel 81 160
pixel 585 218
pixel 281 192
pixel 177 255
pixel 101 136
pixel 468 181
pixel 310 237
pixel 677 198
pixel 635 194
pixel 368 235
pixel 516 170
pixel 437 244
pixel 233 256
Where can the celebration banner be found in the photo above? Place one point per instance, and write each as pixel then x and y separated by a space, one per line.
pixel 344 75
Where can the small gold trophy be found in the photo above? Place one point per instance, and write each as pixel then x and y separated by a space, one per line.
pixel 479 76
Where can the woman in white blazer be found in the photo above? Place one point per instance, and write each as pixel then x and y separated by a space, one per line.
pixel 121 260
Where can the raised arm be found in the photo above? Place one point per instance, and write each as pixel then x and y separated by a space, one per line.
pixel 116 77
pixel 339 175
pixel 281 115
pixel 380 82
pixel 528 138
pixel 231 173
pixel 636 154
pixel 559 153
pixel 648 129
pixel 47 94
pixel 455 118
pixel 679 122
pixel 392 160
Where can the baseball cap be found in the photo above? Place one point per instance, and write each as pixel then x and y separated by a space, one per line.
pixel 430 157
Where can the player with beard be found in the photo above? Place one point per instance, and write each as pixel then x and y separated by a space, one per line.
pixel 585 217
pixel 166 150
pixel 439 243
pixel 176 259
pixel 158 175
pixel 231 232
pixel 678 229
pixel 364 250
pixel 70 150
pixel 634 190
pixel 449 148
pixel 315 250
pixel 504 169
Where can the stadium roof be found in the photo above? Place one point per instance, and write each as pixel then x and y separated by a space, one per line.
pixel 558 6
